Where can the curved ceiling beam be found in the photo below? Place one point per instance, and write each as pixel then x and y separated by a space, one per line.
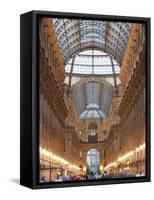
pixel 114 74
pixel 89 46
pixel 72 65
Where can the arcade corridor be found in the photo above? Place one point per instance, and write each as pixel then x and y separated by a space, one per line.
pixel 92 99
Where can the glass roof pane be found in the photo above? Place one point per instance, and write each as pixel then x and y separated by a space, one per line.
pixel 80 60
pixel 82 70
pixel 103 70
pixel 68 68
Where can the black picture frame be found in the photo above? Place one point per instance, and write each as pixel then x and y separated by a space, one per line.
pixel 29 99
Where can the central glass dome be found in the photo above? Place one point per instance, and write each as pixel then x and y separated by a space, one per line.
pixel 92 112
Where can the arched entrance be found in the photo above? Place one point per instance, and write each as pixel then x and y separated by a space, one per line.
pixel 93 159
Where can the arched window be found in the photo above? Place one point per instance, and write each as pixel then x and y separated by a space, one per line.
pixel 92 129
pixel 93 159
pixel 92 133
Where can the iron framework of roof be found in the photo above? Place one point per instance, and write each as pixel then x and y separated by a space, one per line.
pixel 92 63
pixel 106 41
pixel 75 35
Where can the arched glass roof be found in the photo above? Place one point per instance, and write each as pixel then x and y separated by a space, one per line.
pixel 90 49
pixel 92 62
pixel 92 99
pixel 75 35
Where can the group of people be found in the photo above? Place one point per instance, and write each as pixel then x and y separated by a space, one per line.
pixel 97 175
pixel 92 176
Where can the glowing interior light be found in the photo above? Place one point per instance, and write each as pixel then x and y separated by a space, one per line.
pixel 127 155
pixel 101 167
pixel 52 156
pixel 140 148
pixel 59 159
pixel 137 149
pixel 114 164
pixel 84 168
pixel 74 167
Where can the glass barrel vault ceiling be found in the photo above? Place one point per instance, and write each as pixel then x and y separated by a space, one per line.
pixel 76 35
pixel 92 48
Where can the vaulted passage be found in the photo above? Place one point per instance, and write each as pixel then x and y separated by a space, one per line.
pixel 92 99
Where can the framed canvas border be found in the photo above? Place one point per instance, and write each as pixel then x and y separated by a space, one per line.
pixel 29 98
